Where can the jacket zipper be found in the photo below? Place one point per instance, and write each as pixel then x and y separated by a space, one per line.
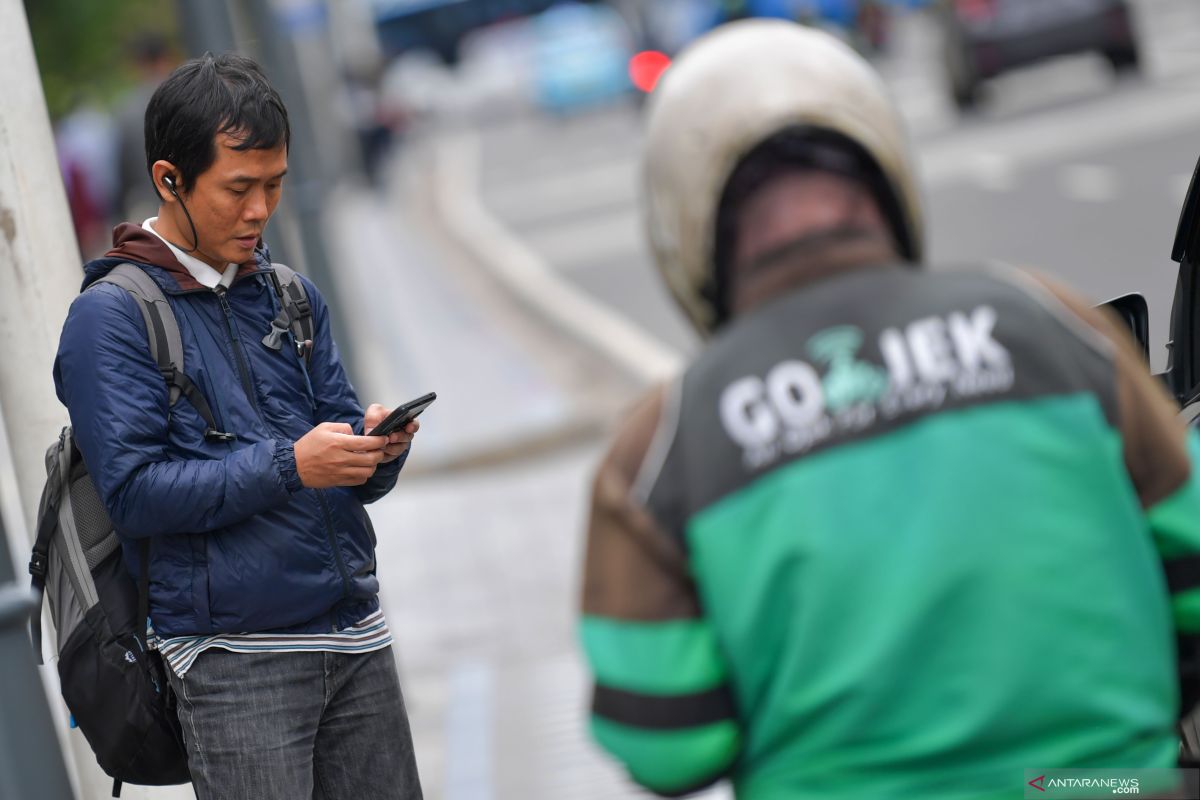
pixel 337 551
pixel 238 355
pixel 247 386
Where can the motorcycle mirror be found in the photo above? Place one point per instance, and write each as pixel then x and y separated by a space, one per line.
pixel 1135 314
pixel 1187 235
pixel 1183 371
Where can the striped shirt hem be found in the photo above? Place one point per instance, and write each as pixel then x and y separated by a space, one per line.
pixel 371 634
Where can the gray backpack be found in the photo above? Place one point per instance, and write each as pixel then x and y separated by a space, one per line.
pixel 114 685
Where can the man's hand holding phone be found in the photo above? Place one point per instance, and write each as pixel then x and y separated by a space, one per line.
pixel 331 455
pixel 396 442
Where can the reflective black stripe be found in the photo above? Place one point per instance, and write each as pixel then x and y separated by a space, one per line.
pixel 695 787
pixel 661 712
pixel 1187 649
pixel 1183 573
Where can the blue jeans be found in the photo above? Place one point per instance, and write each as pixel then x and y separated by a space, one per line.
pixel 293 726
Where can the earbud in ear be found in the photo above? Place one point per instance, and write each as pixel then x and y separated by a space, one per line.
pixel 169 182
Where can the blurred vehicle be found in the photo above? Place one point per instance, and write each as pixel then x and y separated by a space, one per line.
pixel 664 27
pixel 646 69
pixel 581 57
pixel 730 10
pixel 984 38
pixel 873 24
pixel 441 25
pixel 864 24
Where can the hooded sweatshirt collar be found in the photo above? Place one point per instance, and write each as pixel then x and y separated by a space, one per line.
pixel 132 242
pixel 202 272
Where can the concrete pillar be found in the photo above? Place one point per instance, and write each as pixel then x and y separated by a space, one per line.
pixel 39 277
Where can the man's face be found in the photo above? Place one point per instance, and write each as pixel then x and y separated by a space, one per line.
pixel 232 200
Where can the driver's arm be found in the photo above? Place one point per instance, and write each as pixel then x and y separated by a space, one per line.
pixel 662 703
pixel 1161 455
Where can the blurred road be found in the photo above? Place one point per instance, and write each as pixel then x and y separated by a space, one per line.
pixel 1061 169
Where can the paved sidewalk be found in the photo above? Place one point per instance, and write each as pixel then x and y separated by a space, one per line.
pixel 416 331
pixel 479 567
pixel 480 582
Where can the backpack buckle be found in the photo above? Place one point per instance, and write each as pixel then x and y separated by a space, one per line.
pixel 300 308
pixel 279 329
pixel 214 435
pixel 38 564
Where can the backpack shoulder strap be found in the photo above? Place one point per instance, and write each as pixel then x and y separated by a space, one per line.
pixel 295 312
pixel 166 343
pixel 59 529
pixel 162 330
pixel 39 561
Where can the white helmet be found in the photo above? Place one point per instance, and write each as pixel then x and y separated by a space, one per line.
pixel 733 90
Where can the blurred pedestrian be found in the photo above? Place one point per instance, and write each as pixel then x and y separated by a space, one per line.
pixel 86 141
pixel 366 113
pixel 250 490
pixel 153 61
pixel 895 532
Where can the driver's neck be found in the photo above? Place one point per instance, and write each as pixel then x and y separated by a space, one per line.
pixel 794 268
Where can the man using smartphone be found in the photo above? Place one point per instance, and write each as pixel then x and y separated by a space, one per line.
pixel 263 594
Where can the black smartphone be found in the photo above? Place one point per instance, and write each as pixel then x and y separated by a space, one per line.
pixel 404 414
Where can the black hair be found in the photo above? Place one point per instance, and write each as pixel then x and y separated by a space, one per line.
pixel 205 97
pixel 795 148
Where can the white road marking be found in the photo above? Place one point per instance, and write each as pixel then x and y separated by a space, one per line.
pixel 566 192
pixel 1168 34
pixel 1088 183
pixel 1066 132
pixel 591 239
pixel 994 172
pixel 469 772
pixel 534 280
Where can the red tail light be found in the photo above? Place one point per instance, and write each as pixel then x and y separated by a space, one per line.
pixel 646 68
pixel 975 10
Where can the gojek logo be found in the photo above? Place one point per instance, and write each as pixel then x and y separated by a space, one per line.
pixel 848 381
pixel 1037 783
pixel 926 363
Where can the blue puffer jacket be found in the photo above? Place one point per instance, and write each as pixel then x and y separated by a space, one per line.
pixel 237 543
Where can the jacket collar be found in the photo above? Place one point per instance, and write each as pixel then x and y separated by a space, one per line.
pixel 133 243
pixel 792 271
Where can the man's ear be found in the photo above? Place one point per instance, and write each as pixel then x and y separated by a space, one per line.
pixel 166 181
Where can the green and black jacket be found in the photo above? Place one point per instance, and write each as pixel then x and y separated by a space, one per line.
pixel 897 534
